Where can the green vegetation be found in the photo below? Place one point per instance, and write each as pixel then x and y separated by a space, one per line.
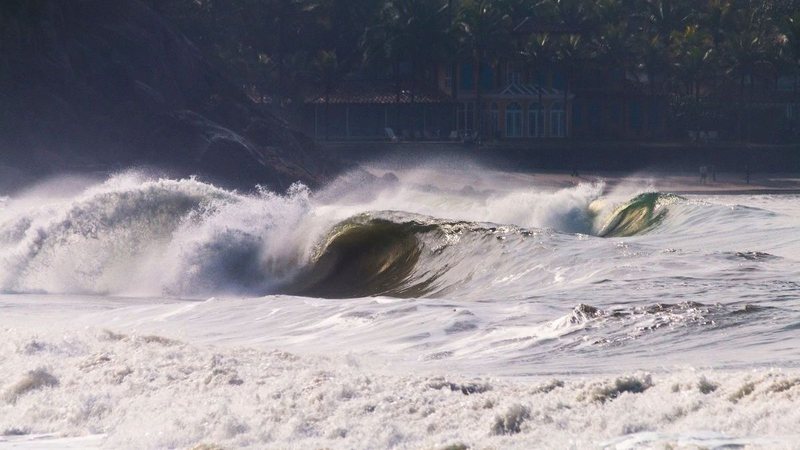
pixel 711 57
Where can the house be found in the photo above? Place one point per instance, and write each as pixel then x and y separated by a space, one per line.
pixel 365 109
pixel 505 100
pixel 516 101
pixel 515 104
pixel 611 104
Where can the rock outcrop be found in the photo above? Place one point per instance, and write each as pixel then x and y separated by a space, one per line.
pixel 98 84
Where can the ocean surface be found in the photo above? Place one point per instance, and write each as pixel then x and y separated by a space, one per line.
pixel 472 310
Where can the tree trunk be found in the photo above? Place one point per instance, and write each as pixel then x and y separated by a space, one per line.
pixel 697 108
pixel 280 56
pixel 540 112
pixel 413 81
pixel 478 103
pixel 567 81
pixel 739 114
pixel 396 70
pixel 327 111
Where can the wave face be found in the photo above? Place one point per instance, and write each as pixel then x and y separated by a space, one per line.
pixel 139 236
pixel 373 284
pixel 637 216
pixel 363 257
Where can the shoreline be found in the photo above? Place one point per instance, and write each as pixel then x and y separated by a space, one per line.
pixel 480 177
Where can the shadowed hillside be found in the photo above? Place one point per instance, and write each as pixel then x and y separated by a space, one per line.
pixel 95 84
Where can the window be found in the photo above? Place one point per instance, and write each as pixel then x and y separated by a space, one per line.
pixel 653 113
pixel 535 120
pixel 577 115
pixel 594 116
pixel 466 117
pixel 514 121
pixel 559 80
pixel 514 75
pixel 635 110
pixel 494 120
pixel 467 77
pixel 787 83
pixel 793 111
pixel 557 125
pixel 486 76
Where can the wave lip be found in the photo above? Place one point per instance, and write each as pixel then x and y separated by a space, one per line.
pixel 366 256
pixel 638 215
pixel 398 254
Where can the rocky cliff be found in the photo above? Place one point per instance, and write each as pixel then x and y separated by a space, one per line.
pixel 100 84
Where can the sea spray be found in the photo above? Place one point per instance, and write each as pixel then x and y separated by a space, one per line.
pixel 136 235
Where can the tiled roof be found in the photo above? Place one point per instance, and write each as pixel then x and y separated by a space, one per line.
pixel 379 93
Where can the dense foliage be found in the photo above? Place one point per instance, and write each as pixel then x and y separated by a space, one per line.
pixel 695 50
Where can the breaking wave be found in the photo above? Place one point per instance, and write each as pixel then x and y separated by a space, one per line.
pixel 137 236
pixel 637 216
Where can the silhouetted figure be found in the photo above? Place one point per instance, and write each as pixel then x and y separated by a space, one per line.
pixel 747 174
pixel 703 174
pixel 574 171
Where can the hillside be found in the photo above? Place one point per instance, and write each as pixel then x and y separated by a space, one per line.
pixel 94 85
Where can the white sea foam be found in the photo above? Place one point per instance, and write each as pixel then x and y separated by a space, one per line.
pixel 134 235
pixel 144 391
pixel 534 332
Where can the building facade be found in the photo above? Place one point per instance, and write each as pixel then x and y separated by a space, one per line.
pixel 505 100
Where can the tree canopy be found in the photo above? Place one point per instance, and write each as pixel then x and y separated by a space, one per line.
pixel 690 49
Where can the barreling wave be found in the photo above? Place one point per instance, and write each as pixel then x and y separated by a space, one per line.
pixel 400 255
pixel 638 215
pixel 136 236
pixel 366 256
pixel 403 255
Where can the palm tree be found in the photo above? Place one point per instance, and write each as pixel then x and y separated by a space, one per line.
pixel 572 49
pixel 789 41
pixel 614 44
pixel 746 47
pixel 538 52
pixel 326 72
pixel 692 53
pixel 409 31
pixel 483 31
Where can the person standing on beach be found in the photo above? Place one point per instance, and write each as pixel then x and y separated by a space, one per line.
pixel 747 173
pixel 703 174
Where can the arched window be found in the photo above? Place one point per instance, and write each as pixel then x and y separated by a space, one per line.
pixel 514 120
pixel 557 124
pixel 494 121
pixel 535 120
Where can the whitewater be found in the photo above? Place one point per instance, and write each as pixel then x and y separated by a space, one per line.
pixel 427 308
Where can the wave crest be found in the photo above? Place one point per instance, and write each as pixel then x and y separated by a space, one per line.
pixel 137 236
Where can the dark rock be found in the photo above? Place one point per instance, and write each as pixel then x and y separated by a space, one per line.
pixel 99 85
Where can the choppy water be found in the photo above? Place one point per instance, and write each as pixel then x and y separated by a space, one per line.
pixel 521 282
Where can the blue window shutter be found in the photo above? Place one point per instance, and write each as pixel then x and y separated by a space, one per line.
pixel 466 76
pixel 487 76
